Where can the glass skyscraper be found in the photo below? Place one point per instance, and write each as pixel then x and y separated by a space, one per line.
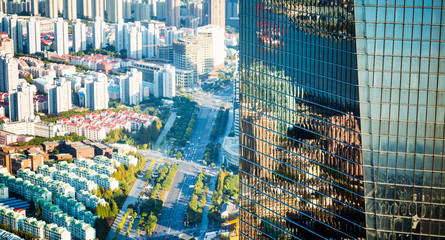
pixel 342 114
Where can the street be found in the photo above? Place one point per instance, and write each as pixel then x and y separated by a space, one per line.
pixel 171 219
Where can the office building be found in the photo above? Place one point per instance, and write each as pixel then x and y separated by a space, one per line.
pixel 172 13
pixel 59 97
pixel 8 73
pixel 52 8
pixel 342 120
pixel 21 106
pixel 165 82
pixel 70 9
pixel 97 93
pixel 131 90
pixel 114 10
pixel 217 13
pixel 33 38
pixel 61 38
pixel 79 36
pixel 98 33
pixel 217 54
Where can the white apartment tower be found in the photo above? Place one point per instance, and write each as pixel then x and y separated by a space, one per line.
pixel 150 40
pixel 96 97
pixel 134 43
pixel 61 40
pixel 8 73
pixel 33 40
pixel 70 9
pixel 79 36
pixel 59 97
pixel 21 105
pixel 165 82
pixel 98 33
pixel 52 8
pixel 34 7
pixel 131 89
pixel 114 10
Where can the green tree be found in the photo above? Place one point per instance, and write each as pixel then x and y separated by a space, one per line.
pixel 39 211
pixel 179 155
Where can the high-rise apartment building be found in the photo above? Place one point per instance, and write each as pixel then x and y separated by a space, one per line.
pixel 87 8
pixel 217 13
pixel 165 82
pixel 21 105
pixel 131 90
pixel 114 10
pixel 342 111
pixel 70 9
pixel 34 7
pixel 59 97
pixel 61 38
pixel 172 13
pixel 52 8
pixel 9 25
pixel 79 36
pixel 9 75
pixel 33 39
pixel 126 10
pixel 96 94
pixel 98 9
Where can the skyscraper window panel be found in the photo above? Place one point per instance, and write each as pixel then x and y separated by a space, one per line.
pixel 342 114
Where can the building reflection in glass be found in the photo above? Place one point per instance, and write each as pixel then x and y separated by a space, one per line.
pixel 339 137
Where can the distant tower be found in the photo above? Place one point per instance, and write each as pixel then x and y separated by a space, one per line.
pixel 51 8
pixel 217 13
pixel 98 8
pixel 173 13
pixel 70 9
pixel 114 10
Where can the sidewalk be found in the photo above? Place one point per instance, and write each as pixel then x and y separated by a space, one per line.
pixel 165 130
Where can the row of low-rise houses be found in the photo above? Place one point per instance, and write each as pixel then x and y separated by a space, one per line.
pixel 96 126
pixel 64 195
pixel 38 228
pixel 79 178
pixel 80 227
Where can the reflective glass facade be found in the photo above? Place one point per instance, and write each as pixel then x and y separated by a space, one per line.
pixel 342 107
